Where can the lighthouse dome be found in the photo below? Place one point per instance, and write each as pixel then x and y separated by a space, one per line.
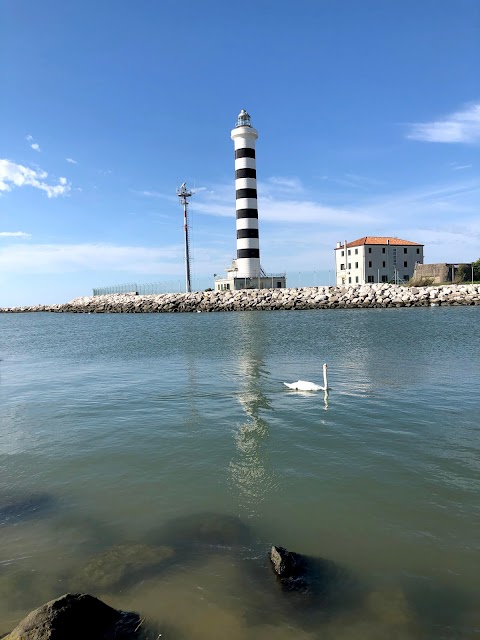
pixel 243 119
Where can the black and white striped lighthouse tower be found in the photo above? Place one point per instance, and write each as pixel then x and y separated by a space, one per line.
pixel 248 248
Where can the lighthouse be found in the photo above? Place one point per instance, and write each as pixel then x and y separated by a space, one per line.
pixel 248 246
pixel 246 271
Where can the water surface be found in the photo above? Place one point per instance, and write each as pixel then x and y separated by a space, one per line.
pixel 112 426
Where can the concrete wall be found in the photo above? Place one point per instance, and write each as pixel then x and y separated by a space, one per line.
pixel 438 272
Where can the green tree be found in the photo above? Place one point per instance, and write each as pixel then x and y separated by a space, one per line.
pixel 463 273
pixel 476 270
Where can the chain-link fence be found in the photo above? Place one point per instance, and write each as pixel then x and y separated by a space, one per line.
pixel 177 285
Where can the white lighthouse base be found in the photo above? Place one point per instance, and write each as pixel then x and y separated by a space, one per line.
pixel 235 280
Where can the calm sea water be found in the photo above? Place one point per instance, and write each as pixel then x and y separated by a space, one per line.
pixel 114 427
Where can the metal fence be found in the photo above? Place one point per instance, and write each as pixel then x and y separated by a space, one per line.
pixel 177 285
pixel 163 286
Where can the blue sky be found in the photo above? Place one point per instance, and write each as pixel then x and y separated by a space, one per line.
pixel 368 116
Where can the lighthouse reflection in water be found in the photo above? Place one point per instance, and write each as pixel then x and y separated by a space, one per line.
pixel 252 477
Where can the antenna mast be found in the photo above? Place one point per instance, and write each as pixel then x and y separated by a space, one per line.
pixel 183 193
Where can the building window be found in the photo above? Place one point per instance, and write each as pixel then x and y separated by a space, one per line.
pixel 356 279
pixel 383 249
pixel 405 250
pixel 406 277
pixel 384 264
pixel 405 264
pixel 369 249
pixel 384 278
pixel 228 286
pixel 349 252
pixel 349 281
pixel 370 279
pixel 342 266
pixel 349 265
pixel 418 251
pixel 343 253
pixel 370 264
pixel 356 252
pixel 279 285
pixel 356 265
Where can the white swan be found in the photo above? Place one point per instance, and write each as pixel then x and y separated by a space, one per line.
pixel 304 385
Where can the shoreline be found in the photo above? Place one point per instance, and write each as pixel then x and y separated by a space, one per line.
pixel 379 295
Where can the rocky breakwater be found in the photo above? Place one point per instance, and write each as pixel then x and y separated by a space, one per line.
pixel 359 296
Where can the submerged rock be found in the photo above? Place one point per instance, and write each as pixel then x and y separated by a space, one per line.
pixel 77 616
pixel 390 606
pixel 24 507
pixel 121 565
pixel 207 529
pixel 316 582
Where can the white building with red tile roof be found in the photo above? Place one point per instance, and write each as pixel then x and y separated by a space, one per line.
pixel 376 259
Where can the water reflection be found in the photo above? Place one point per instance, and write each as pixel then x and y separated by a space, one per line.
pixel 310 394
pixel 193 417
pixel 251 476
pixel 386 349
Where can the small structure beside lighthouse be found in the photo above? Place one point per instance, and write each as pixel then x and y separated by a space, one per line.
pixel 246 271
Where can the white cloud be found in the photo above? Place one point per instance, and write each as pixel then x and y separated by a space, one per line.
pixel 14 234
pixel 284 183
pixel 35 146
pixel 299 227
pixel 353 181
pixel 280 206
pixel 151 194
pixel 461 126
pixel 71 160
pixel 60 258
pixel 366 213
pixel 16 175
pixel 308 211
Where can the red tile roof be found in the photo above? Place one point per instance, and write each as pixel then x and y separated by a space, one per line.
pixel 381 240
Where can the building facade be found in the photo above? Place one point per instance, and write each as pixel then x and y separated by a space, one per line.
pixel 376 259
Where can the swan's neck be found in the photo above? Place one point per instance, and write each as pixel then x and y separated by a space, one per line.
pixel 325 380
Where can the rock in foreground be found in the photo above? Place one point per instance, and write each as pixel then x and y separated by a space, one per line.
pixel 315 582
pixel 76 616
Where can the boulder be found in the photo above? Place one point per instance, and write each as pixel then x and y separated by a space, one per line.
pixel 77 616
pixel 315 582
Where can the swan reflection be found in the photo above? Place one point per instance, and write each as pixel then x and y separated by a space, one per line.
pixel 309 394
